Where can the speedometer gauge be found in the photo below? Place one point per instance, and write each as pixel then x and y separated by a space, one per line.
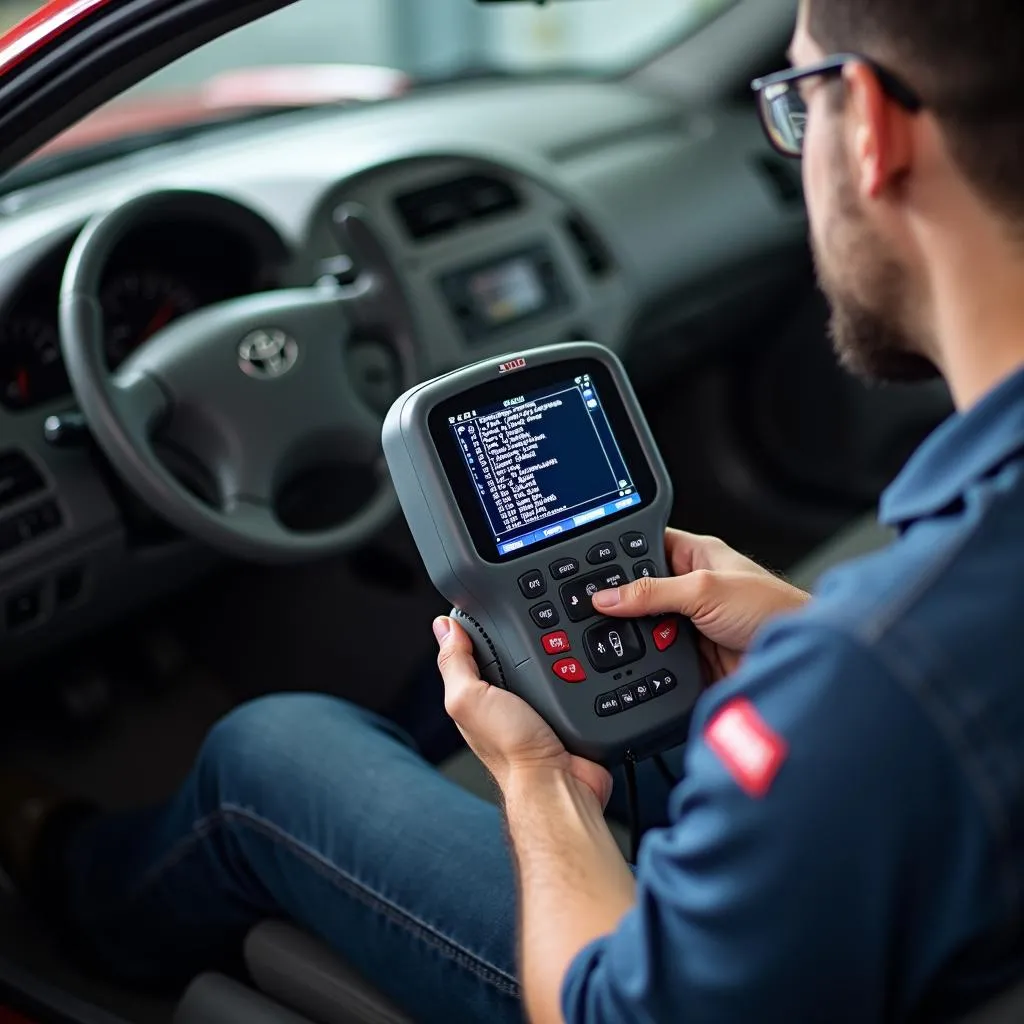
pixel 31 367
pixel 136 305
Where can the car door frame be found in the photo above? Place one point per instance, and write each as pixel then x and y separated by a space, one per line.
pixel 72 56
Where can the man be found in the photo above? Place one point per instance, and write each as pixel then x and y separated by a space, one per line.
pixel 848 842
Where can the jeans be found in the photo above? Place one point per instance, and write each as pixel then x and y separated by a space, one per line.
pixel 306 807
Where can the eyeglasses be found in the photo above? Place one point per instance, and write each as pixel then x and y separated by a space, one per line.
pixel 784 112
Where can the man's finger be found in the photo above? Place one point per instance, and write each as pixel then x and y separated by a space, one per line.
pixel 650 596
pixel 689 552
pixel 680 547
pixel 458 667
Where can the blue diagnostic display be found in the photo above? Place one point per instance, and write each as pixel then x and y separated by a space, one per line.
pixel 544 464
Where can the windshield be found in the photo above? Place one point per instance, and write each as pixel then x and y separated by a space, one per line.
pixel 326 52
pixel 441 38
pixel 436 38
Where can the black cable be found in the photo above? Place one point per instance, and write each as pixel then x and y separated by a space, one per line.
pixel 633 807
pixel 665 771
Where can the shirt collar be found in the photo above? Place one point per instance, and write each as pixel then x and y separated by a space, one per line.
pixel 963 450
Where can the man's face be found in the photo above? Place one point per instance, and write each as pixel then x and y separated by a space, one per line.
pixel 876 326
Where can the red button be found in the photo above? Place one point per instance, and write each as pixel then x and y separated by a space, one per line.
pixel 665 634
pixel 569 670
pixel 556 643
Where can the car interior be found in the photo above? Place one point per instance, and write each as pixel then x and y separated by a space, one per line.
pixel 136 609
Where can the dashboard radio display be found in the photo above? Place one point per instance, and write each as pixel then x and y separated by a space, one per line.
pixel 507 292
pixel 522 285
pixel 544 464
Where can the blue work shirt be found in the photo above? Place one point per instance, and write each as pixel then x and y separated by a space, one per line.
pixel 848 842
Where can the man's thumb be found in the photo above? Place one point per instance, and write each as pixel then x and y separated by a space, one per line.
pixel 685 595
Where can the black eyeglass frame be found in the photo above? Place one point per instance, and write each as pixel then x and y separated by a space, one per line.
pixel 894 87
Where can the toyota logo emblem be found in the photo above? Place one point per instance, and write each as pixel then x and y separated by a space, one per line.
pixel 267 354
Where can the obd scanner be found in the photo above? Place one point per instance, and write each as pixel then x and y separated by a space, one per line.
pixel 529 483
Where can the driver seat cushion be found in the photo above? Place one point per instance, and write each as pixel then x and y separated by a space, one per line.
pixel 301 972
pixel 1008 1009
pixel 217 999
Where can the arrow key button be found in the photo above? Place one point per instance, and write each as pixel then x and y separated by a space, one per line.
pixel 661 682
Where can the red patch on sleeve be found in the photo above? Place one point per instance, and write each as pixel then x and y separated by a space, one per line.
pixel 747 746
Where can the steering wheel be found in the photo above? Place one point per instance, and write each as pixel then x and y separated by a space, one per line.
pixel 256 389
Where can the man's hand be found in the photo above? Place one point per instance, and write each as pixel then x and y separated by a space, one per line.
pixel 573 883
pixel 508 736
pixel 727 596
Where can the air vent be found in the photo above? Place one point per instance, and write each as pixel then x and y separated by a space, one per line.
pixel 443 208
pixel 18 478
pixel 782 177
pixel 592 250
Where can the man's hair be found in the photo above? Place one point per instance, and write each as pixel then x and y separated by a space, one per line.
pixel 965 59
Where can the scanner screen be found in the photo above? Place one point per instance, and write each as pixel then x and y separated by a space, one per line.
pixel 544 464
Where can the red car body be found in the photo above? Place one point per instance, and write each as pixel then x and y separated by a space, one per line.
pixel 230 93
pixel 42 27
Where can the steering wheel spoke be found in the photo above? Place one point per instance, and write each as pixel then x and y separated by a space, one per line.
pixel 375 300
pixel 251 472
pixel 251 519
pixel 359 427
pixel 140 402
pixel 255 518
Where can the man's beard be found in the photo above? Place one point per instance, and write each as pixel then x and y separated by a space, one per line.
pixel 870 305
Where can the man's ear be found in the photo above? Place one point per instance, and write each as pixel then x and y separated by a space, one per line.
pixel 879 132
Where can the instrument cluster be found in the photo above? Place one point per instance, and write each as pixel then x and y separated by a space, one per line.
pixel 158 274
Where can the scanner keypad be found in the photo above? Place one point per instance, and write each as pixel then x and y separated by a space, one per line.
pixel 564 568
pixel 631 696
pixel 634 544
pixel 556 643
pixel 533 584
pixel 601 553
pixel 611 643
pixel 577 594
pixel 569 670
pixel 544 615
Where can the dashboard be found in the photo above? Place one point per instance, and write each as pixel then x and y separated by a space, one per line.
pixel 512 214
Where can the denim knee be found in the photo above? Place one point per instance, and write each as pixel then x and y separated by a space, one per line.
pixel 275 742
